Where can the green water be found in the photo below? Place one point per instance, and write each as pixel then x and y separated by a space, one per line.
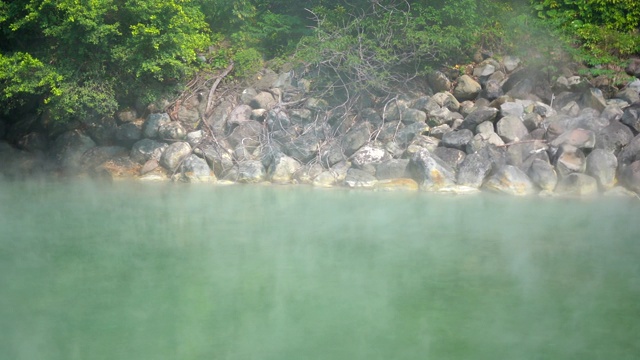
pixel 166 271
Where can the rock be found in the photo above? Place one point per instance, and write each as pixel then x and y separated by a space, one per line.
pixel 457 139
pixel 631 152
pixel 251 171
pixel 307 173
pixel 282 168
pixel 128 133
pixel 485 128
pixel 97 155
pixel 331 153
pixel 521 89
pixel 357 178
pixel 410 116
pixel 34 142
pixel 264 100
pixel 217 157
pixel 577 184
pixel 68 149
pixel 368 156
pixel 513 109
pixel 194 138
pixel 149 166
pixel 335 175
pixel 511 181
pixel 444 99
pixel 543 175
pixel 620 192
pixel 196 169
pixel 478 116
pixel 172 131
pixel 569 159
pixel 602 166
pixel 303 116
pixel 247 95
pixel 439 81
pixel 453 157
pixel 467 88
pixel 217 121
pixel 629 95
pixel 397 185
pixel 612 113
pixel 239 114
pixel 439 131
pixel 614 137
pixel 246 134
pixel 484 69
pixel 101 129
pixel 633 68
pixel 481 140
pixel 315 104
pixel 532 121
pixel 594 99
pixel 580 138
pixel 630 176
pixel 127 115
pixel 392 169
pixel 511 63
pixel 631 117
pixel 146 149
pixel 473 170
pixel 511 129
pixel 430 171
pixel 355 138
pixel 188 112
pixel 439 117
pixel 174 154
pixel 303 148
pixel 277 119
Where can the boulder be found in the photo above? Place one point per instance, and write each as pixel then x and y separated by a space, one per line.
pixel 101 129
pixel 510 180
pixel 580 138
pixel 304 116
pixel 511 63
pixel 467 88
pixel 473 170
pixel 217 121
pixel 593 98
pixel 335 175
pixel 629 95
pixel 146 149
pixel 439 131
pixel 357 178
pixel 514 109
pixel 444 99
pixel 246 134
pixel 457 139
pixel 172 131
pixel 196 169
pixel 68 149
pixel 481 140
pixel 402 184
pixel 303 148
pixel 217 157
pixel 569 159
pixel 367 156
pixel 577 184
pixel 543 175
pixel 357 136
pixel 174 154
pixel 127 115
pixel 630 176
pixel 438 81
pixel 479 116
pixel 410 116
pixel 278 119
pixel 431 172
pixel 282 168
pixel 331 153
pixel 247 95
pixel 631 152
pixel 614 137
pixel 307 173
pixel 453 157
pixel 602 166
pixel 194 138
pixel 511 129
pixel 264 100
pixel 239 114
pixel 612 113
pixel 251 171
pixel 392 169
pixel 631 117
pixel 128 133
pixel 440 116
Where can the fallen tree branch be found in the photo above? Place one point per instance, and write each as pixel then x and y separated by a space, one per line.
pixel 209 107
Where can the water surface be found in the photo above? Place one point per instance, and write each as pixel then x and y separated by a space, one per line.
pixel 166 271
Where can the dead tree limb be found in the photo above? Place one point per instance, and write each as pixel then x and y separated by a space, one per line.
pixel 209 107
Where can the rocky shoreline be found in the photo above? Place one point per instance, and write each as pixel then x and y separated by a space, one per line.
pixel 498 127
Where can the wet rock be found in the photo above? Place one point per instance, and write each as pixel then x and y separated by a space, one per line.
pixel 128 133
pixel 172 131
pixel 602 166
pixel 402 184
pixel 543 175
pixel 146 149
pixel 251 172
pixel 392 169
pixel 510 180
pixel 264 100
pixel 430 171
pixel 174 154
pixel 68 149
pixel 473 170
pixel 467 88
pixel 453 157
pixel 457 139
pixel 631 117
pixel 196 169
pixel 357 178
pixel 282 168
pixel 630 176
pixel 570 159
pixel 614 137
pixel 577 184
pixel 511 129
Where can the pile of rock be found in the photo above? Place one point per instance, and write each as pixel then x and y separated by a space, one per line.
pixel 499 128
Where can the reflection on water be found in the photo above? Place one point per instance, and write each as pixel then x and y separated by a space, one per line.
pixel 165 271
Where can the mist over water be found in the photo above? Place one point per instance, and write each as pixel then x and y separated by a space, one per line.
pixel 166 271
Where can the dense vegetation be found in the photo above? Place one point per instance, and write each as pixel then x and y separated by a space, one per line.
pixel 74 59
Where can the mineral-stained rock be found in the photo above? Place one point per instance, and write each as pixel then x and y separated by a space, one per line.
pixel 473 170
pixel 357 178
pixel 577 184
pixel 392 169
pixel 510 180
pixel 543 175
pixel 174 154
pixel 570 159
pixel 282 168
pixel 602 166
pixel 251 171
pixel 397 185
pixel 430 171
pixel 196 169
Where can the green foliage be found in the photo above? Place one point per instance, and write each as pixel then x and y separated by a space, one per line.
pixel 247 62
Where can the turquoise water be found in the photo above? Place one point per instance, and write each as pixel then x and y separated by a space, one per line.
pixel 166 271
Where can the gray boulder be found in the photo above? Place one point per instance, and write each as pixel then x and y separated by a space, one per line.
pixel 473 170
pixel 68 149
pixel 457 139
pixel 217 157
pixel 543 175
pixel 512 109
pixel 217 121
pixel 146 149
pixel 612 113
pixel 251 171
pixel 593 98
pixel 431 172
pixel 467 88
pixel 247 135
pixel 331 153
pixel 172 131
pixel 510 180
pixel 101 129
pixel 196 169
pixel 577 184
pixel 239 114
pixel 511 129
pixel 569 159
pixel 602 166
pixel 410 116
pixel 357 178
pixel 392 169
pixel 303 148
pixel 128 133
pixel 264 100
pixel 355 138
pixel 492 90
pixel 440 116
pixel 153 123
pixel 174 154
pixel 580 138
pixel 453 157
pixel 444 99
pixel 613 138
pixel 439 81
pixel 629 95
pixel 630 176
pixel 479 116
pixel 367 157
pixel 631 117
pixel 282 168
